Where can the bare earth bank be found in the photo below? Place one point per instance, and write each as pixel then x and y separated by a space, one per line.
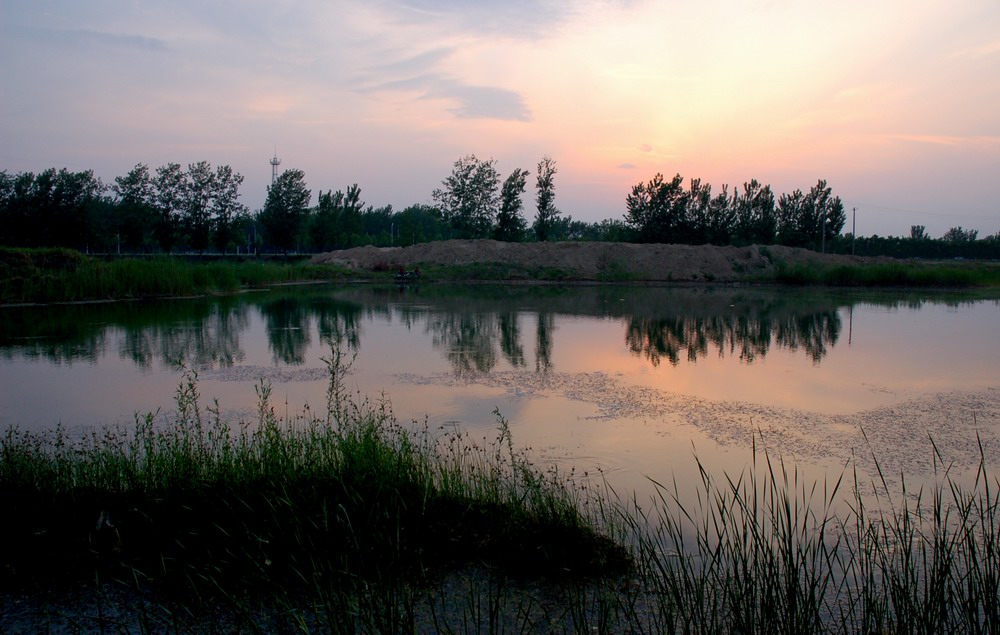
pixel 593 260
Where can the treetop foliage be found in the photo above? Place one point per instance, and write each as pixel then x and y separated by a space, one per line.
pixel 469 200
pixel 173 208
pixel 544 199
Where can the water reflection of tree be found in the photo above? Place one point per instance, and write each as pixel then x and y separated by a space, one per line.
pixel 543 342
pixel 87 349
pixel 748 337
pixel 199 340
pixel 200 332
pixel 510 339
pixel 287 323
pixel 338 322
pixel 812 333
pixel 467 339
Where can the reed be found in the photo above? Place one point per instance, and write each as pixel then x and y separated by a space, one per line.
pixel 767 552
pixel 325 503
pixel 920 275
pixel 59 275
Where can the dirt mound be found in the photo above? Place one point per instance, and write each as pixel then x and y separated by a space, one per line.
pixel 589 260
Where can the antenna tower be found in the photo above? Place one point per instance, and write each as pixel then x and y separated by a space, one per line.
pixel 275 162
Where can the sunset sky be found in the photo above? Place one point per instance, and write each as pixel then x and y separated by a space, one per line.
pixel 896 104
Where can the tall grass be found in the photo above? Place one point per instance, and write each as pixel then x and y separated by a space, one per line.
pixel 767 552
pixel 345 520
pixel 328 505
pixel 921 275
pixel 67 276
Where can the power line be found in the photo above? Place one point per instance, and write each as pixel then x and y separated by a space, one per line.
pixel 900 210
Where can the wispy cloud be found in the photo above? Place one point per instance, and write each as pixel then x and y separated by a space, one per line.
pixel 979 51
pixel 513 19
pixel 421 74
pixel 482 102
pixel 83 38
pixel 954 141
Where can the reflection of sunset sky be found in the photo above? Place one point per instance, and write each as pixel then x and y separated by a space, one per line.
pixel 887 101
pixel 598 404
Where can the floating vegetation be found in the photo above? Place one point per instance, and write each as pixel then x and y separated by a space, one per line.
pixel 898 434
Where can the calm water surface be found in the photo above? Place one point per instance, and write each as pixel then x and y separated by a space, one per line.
pixel 628 381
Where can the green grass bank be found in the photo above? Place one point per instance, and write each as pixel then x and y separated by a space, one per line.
pixel 923 275
pixel 63 275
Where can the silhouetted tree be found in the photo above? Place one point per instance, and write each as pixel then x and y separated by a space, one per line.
pixel 324 223
pixel 226 212
pixel 657 210
pixel 808 220
pixel 511 225
pixel 136 207
pixel 351 222
pixel 170 186
pixel 285 209
pixel 756 218
pixel 545 196
pixel 468 200
pixel 721 218
pixel 959 235
pixel 54 208
pixel 196 207
pixel 699 204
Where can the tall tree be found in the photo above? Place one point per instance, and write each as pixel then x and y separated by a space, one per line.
pixel 54 208
pixel 71 197
pixel 468 199
pixel 285 209
pixel 15 218
pixel 196 213
pixel 325 220
pixel 828 211
pixel 351 223
pixel 721 218
pixel 511 225
pixel 171 185
pixel 545 196
pixel 657 210
pixel 135 206
pixel 419 223
pixel 756 218
pixel 792 229
pixel 699 210
pixel 810 220
pixel 959 235
pixel 227 211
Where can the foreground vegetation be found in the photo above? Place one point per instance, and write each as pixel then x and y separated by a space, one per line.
pixel 345 520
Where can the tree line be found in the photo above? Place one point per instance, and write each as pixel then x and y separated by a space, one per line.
pixel 198 209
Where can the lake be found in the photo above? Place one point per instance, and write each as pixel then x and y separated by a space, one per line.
pixel 622 383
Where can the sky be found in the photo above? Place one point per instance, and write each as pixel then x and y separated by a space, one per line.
pixel 895 104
